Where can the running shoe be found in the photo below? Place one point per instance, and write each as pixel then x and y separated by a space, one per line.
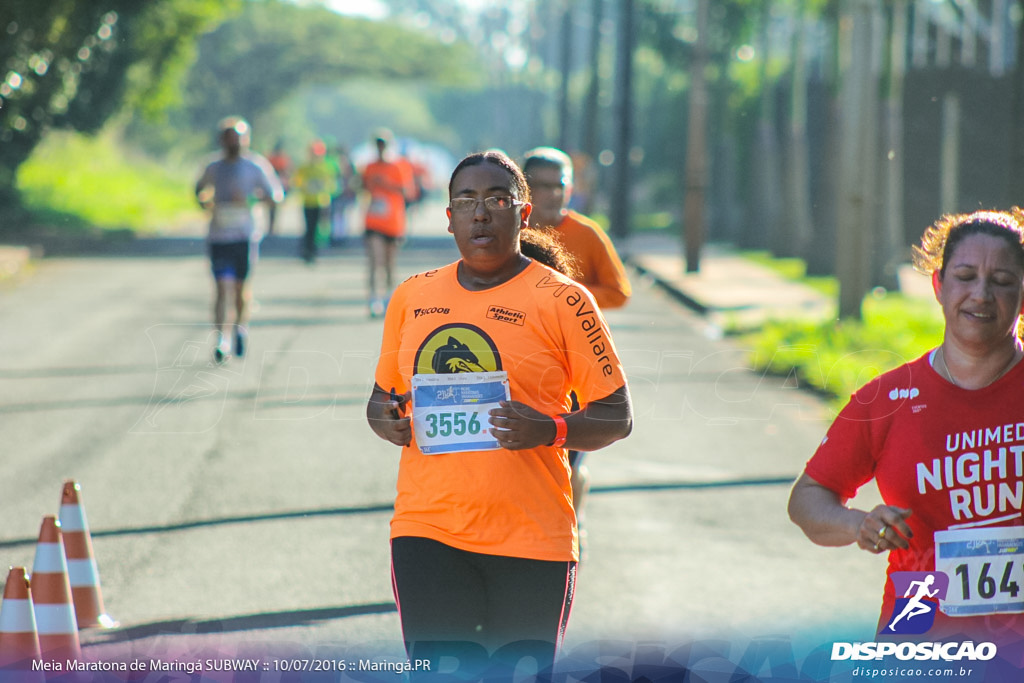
pixel 222 351
pixel 376 308
pixel 241 341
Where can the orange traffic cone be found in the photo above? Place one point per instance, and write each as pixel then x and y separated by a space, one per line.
pixel 82 572
pixel 51 593
pixel 19 643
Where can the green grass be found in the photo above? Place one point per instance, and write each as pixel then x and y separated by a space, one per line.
pixel 794 269
pixel 661 221
pixel 837 357
pixel 76 182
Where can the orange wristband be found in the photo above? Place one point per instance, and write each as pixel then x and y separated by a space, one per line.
pixel 560 431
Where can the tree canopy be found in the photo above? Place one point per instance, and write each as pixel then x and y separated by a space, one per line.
pixel 73 63
pixel 273 48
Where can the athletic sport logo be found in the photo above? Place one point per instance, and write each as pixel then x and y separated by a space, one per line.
pixel 914 612
pixel 457 348
pixel 506 315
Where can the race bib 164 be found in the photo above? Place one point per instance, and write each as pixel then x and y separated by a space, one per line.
pixel 985 566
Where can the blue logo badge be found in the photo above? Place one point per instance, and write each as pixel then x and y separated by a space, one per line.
pixel 914 612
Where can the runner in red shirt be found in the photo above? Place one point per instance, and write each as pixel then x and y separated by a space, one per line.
pixel 943 436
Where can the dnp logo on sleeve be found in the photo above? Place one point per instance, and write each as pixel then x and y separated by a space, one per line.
pixel 917 601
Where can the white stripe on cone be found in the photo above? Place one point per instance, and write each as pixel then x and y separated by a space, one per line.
pixel 83 573
pixel 16 616
pixel 52 620
pixel 72 518
pixel 49 559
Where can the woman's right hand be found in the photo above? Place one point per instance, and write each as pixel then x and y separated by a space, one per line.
pixel 884 529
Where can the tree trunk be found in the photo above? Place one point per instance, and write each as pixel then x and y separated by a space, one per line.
pixel 859 110
pixel 796 225
pixel 726 206
pixel 565 59
pixel 821 257
pixel 996 39
pixel 1015 178
pixel 621 210
pixel 589 131
pixel 12 154
pixel 892 248
pixel 949 164
pixel 696 176
pixel 763 212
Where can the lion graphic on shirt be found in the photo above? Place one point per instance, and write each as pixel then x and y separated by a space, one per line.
pixel 455 357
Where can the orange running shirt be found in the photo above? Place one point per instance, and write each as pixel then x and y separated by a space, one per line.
pixel 600 266
pixel 412 194
pixel 545 331
pixel 387 183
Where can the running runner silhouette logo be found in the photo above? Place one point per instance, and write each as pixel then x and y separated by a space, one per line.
pixel 914 613
pixel 457 348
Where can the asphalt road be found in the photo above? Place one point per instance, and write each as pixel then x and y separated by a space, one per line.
pixel 247 505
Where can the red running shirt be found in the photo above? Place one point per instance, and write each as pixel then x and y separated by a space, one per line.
pixel 953 456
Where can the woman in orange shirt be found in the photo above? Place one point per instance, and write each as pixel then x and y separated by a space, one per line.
pixel 484 539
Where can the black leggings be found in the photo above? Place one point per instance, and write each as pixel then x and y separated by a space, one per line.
pixel 491 608
pixel 312 215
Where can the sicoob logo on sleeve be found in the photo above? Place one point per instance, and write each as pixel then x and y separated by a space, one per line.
pixel 457 347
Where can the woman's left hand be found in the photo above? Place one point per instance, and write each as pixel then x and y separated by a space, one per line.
pixel 517 426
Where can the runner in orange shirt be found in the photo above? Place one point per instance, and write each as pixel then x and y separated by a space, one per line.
pixel 388 183
pixel 483 537
pixel 549 173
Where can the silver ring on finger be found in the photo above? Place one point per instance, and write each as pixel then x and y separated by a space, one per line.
pixel 876 547
pixel 881 532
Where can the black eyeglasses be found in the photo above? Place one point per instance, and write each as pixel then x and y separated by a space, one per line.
pixel 469 204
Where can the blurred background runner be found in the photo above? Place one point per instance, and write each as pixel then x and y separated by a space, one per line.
pixel 229 187
pixel 345 194
pixel 317 180
pixel 389 183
